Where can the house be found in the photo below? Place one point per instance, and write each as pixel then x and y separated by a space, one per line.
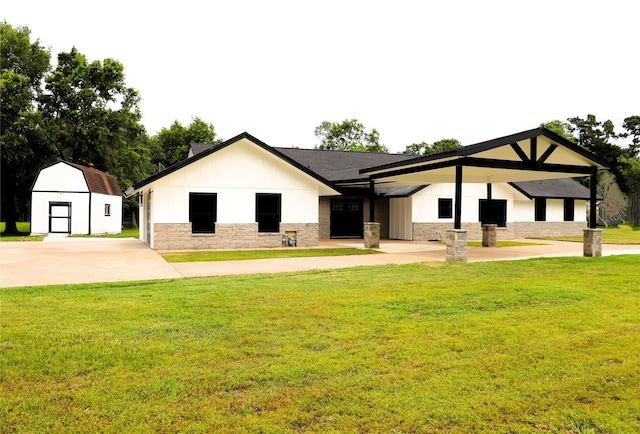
pixel 243 193
pixel 69 198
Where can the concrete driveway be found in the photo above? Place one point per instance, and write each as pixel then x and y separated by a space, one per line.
pixel 60 260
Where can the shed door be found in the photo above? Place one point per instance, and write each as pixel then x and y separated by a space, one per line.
pixel 346 218
pixel 60 217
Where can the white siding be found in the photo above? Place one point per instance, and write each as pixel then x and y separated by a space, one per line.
pixel 101 224
pixel 425 202
pixel 555 210
pixel 60 177
pixel 40 211
pixel 524 210
pixel 236 173
pixel 400 227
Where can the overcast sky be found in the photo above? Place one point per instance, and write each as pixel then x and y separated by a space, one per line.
pixel 414 70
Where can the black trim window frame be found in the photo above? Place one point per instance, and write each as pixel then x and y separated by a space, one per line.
pixel 540 213
pixel 107 210
pixel 268 212
pixel 203 212
pixel 493 211
pixel 445 208
pixel 569 210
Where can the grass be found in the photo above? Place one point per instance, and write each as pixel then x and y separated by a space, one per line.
pixel 503 243
pixel 24 228
pixel 543 345
pixel 126 233
pixel 240 255
pixel 622 234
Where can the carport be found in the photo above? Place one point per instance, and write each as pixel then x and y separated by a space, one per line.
pixel 531 155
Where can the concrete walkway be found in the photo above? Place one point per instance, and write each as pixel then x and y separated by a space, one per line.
pixel 60 260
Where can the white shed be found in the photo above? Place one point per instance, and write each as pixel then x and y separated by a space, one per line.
pixel 69 198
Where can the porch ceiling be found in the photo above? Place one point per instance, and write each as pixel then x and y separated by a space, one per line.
pixel 531 155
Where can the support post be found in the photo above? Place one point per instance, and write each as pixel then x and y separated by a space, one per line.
pixel 456 245
pixel 592 237
pixel 489 235
pixel 592 242
pixel 593 210
pixel 457 224
pixel 372 200
pixel 371 235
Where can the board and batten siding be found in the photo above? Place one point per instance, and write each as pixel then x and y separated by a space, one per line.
pixel 425 202
pixel 236 174
pixel 400 224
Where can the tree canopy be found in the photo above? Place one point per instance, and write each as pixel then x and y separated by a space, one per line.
pixel 25 149
pixel 424 148
pixel 171 144
pixel 348 135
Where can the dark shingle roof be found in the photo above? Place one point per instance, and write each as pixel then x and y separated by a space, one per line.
pixel 196 148
pixel 339 166
pixel 561 188
pixel 344 166
pixel 335 166
pixel 98 181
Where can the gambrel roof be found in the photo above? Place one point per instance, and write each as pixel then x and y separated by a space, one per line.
pixel 98 181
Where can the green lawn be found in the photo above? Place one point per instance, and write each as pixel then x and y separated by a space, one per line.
pixel 543 345
pixel 24 228
pixel 240 255
pixel 126 233
pixel 623 234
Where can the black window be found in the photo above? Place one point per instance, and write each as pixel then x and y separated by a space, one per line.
pixel 569 210
pixel 541 209
pixel 203 212
pixel 493 211
pixel 268 212
pixel 445 208
pixel 107 209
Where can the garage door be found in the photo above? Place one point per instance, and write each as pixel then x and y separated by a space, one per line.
pixel 60 217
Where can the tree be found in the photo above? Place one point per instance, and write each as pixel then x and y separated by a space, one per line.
pixel 348 135
pixel 562 129
pixel 171 144
pixel 614 203
pixel 424 148
pixel 90 112
pixel 630 166
pixel 596 136
pixel 23 64
pixel 631 126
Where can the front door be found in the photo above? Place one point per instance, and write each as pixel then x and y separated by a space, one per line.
pixel 346 218
pixel 60 217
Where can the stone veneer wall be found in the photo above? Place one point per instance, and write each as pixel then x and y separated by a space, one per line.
pixel 437 231
pixel 178 236
pixel 548 229
pixel 324 231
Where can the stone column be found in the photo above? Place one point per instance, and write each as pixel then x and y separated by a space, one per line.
pixel 593 242
pixel 489 235
pixel 371 235
pixel 456 245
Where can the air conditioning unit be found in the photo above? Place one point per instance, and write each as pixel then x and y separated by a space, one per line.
pixel 290 239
